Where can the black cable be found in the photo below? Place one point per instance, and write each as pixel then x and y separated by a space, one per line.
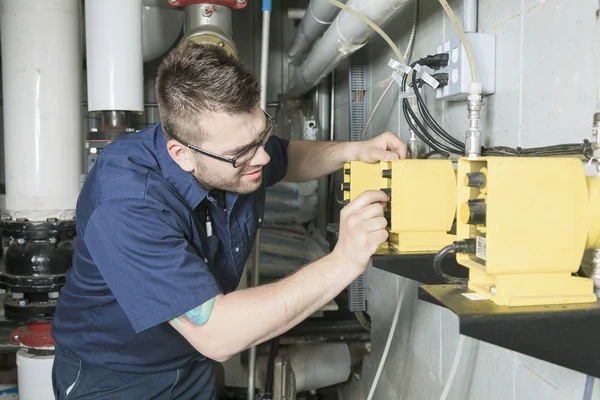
pixel 462 246
pixel 458 146
pixel 421 131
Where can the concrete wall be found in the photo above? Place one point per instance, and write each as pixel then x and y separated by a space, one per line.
pixel 547 74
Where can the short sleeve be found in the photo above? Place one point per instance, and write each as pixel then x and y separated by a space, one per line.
pixel 275 170
pixel 147 262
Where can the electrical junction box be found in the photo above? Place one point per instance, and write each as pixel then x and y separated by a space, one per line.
pixel 483 47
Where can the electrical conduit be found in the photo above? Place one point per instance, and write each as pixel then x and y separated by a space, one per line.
pixel 264 67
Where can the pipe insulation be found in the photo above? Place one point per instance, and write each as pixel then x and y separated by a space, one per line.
pixel 317 18
pixel 346 34
pixel 115 75
pixel 315 366
pixel 42 85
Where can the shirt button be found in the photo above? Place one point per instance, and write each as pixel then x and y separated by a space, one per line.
pixel 237 249
pixel 259 220
pixel 206 260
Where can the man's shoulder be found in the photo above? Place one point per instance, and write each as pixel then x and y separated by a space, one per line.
pixel 127 168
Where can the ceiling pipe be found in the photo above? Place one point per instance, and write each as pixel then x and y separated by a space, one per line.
pixel 345 35
pixel 316 19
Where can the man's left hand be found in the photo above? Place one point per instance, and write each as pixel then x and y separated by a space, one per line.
pixel 386 146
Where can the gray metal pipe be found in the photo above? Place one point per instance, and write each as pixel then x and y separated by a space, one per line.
pixel 345 35
pixel 470 15
pixel 316 20
pixel 323 94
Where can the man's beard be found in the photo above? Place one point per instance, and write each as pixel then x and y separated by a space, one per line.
pixel 236 184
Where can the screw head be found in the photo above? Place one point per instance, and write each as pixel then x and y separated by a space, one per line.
pixel 16 338
pixel 22 303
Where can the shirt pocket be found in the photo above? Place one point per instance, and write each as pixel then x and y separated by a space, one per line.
pixel 207 249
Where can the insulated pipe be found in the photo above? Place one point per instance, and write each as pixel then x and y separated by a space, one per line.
pixel 316 20
pixel 42 82
pixel 470 15
pixel 345 35
pixel 264 68
pixel 115 73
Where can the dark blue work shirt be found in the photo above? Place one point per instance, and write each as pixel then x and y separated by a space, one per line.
pixel 143 256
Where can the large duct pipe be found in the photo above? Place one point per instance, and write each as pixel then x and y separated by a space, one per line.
pixel 316 20
pixel 114 55
pixel 42 77
pixel 345 35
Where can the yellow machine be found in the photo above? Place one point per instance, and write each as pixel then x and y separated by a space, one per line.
pixel 532 219
pixel 423 200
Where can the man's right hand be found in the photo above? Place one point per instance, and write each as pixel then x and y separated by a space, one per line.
pixel 362 229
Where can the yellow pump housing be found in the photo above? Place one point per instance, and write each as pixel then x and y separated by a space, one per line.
pixel 423 200
pixel 532 219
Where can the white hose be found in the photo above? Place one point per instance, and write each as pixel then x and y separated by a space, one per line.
pixel 407 56
pixel 388 343
pixel 455 363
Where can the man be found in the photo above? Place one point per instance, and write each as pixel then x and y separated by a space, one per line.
pixel 166 221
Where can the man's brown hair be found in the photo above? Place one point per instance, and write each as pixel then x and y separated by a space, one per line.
pixel 194 80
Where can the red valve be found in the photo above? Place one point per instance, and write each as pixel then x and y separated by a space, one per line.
pixel 234 4
pixel 37 334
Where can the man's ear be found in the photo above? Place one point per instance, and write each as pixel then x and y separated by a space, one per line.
pixel 181 155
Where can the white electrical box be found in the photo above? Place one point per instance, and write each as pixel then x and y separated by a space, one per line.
pixel 483 47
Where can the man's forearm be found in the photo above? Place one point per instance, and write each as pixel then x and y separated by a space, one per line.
pixel 309 159
pixel 251 316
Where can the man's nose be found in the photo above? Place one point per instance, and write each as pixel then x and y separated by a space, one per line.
pixel 261 157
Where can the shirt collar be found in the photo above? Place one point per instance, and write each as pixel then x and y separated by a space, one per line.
pixel 184 182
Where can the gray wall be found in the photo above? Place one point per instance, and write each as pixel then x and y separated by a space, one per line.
pixel 547 74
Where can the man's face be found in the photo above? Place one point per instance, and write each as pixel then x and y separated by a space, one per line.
pixel 231 136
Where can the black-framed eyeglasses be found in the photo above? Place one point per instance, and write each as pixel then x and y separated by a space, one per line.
pixel 243 156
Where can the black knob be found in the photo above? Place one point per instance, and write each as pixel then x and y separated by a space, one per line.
pixel 475 179
pixel 346 186
pixel 347 171
pixel 387 191
pixel 387 173
pixel 473 212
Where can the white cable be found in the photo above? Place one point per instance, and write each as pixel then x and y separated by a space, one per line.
pixel 386 350
pixel 455 363
pixel 407 55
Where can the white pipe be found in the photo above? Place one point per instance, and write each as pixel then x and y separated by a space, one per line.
pixel 264 68
pixel 470 15
pixel 115 73
pixel 345 35
pixel 316 20
pixel 41 76
pixel 34 373
pixel 315 366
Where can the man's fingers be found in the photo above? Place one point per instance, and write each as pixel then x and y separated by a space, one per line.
pixel 366 198
pixel 371 211
pixel 375 224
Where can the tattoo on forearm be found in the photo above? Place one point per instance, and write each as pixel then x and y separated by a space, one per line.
pixel 197 316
